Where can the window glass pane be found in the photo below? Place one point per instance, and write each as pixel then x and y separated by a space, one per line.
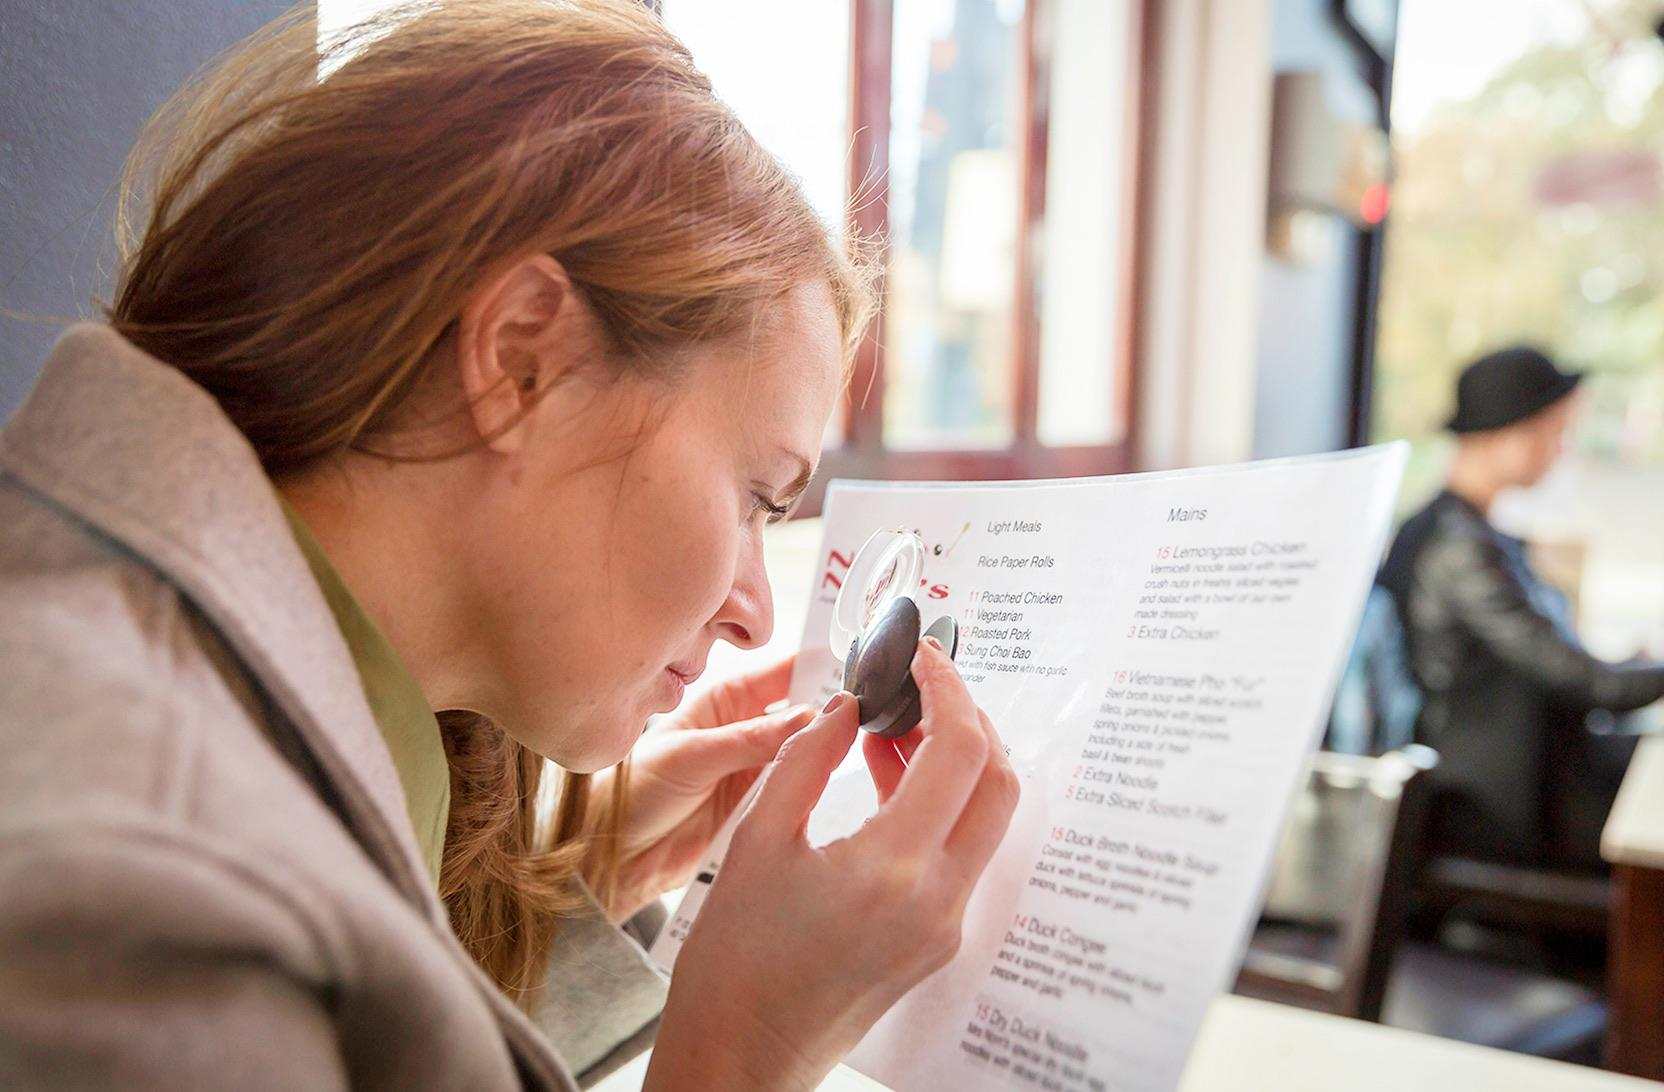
pixel 1081 272
pixel 794 98
pixel 1528 205
pixel 784 68
pixel 336 17
pixel 953 218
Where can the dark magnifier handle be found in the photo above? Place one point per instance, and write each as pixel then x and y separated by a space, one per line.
pixel 879 669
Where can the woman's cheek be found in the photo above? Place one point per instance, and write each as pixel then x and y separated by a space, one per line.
pixel 708 571
pixel 686 563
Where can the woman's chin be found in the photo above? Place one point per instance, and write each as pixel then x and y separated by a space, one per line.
pixel 593 759
pixel 592 745
pixel 604 734
pixel 669 692
pixel 610 746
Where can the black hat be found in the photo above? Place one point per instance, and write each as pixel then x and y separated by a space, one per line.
pixel 1506 386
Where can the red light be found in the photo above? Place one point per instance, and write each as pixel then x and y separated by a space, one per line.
pixel 1373 205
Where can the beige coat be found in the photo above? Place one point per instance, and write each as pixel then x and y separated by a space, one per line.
pixel 207 875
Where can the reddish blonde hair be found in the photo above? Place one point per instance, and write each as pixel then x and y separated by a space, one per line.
pixel 310 242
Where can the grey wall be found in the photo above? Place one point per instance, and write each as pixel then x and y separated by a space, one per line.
pixel 1304 350
pixel 77 80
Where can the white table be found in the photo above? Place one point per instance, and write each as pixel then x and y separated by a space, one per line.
pixel 1250 1045
pixel 1633 842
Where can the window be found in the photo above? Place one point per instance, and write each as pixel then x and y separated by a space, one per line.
pixel 955 161
pixel 993 145
pixel 793 99
pixel 1529 206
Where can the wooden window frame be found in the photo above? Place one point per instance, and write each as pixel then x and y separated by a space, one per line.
pixel 863 452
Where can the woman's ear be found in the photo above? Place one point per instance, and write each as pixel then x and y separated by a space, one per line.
pixel 510 339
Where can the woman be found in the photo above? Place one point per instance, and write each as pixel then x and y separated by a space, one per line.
pixel 460 381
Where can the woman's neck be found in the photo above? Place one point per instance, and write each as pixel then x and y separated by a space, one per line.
pixel 375 526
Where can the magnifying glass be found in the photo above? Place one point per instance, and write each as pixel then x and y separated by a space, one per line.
pixel 875 630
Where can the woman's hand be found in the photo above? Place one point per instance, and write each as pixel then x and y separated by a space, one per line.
pixel 686 778
pixel 797 951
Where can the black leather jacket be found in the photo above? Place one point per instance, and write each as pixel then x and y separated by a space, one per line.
pixel 1508 690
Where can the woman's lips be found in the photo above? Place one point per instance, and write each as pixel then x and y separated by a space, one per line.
pixel 686 673
pixel 677 678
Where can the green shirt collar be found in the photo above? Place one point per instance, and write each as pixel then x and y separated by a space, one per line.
pixel 408 726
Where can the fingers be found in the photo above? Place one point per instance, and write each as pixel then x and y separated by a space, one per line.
pixel 946 702
pixel 749 694
pixel 947 765
pixel 884 763
pixel 792 786
pixel 706 756
pixel 987 815
pixel 996 745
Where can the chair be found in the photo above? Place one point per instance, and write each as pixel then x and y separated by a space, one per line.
pixel 1493 918
pixel 1514 896
pixel 1332 936
pixel 1337 902
pixel 1377 701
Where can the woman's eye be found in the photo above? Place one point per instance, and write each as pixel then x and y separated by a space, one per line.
pixel 775 512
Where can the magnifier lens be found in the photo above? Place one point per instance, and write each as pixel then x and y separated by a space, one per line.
pixel 887 567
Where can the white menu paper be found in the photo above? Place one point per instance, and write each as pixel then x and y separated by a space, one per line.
pixel 1158 652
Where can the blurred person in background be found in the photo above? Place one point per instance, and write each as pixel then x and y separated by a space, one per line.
pixel 1508 686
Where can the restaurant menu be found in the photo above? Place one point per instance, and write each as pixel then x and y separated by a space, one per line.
pixel 1159 652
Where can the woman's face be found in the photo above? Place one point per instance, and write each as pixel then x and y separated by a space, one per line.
pixel 627 536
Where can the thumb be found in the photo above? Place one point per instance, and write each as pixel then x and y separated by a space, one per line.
pixel 792 786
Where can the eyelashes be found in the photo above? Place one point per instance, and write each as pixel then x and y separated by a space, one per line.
pixel 776 512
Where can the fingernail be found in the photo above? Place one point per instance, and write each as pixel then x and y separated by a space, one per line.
pixel 836 703
pixel 934 643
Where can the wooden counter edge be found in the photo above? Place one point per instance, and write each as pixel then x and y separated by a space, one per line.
pixel 1635 1037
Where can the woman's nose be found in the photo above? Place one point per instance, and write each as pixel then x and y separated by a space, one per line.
pixel 746 619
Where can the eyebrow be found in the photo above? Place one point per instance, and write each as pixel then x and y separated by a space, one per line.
pixel 805 472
